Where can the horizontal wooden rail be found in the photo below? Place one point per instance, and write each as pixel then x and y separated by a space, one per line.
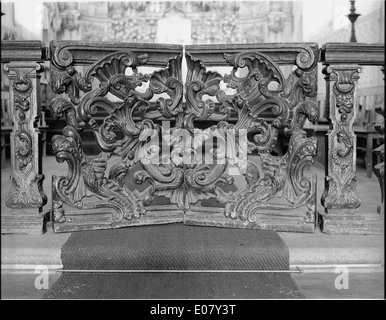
pixel 353 53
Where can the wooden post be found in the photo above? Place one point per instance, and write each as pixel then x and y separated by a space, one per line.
pixel 343 63
pixel 26 196
pixel 340 195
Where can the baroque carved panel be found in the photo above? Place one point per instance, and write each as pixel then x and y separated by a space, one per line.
pixel 152 141
pixel 131 119
pixel 246 138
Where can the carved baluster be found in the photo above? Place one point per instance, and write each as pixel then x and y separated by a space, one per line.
pixel 340 195
pixel 26 197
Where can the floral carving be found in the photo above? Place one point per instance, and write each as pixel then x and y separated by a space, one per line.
pixel 58 212
pixel 344 91
pixel 23 150
pixel 22 92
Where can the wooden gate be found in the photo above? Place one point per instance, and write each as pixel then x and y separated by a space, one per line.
pixel 207 147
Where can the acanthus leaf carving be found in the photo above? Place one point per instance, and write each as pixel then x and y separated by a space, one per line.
pixel 87 174
pixel 261 71
pixel 61 106
pixel 198 83
pixel 86 177
pixel 340 194
pixel 343 155
pixel 168 80
pixel 344 97
pixel 110 71
pixel 23 152
pixel 127 131
pixel 26 195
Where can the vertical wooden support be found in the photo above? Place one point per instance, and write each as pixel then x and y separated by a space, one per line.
pixel 26 196
pixel 343 63
pixel 340 195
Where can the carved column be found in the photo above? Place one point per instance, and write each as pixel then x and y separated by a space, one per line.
pixel 343 214
pixel 340 198
pixel 26 197
pixel 340 195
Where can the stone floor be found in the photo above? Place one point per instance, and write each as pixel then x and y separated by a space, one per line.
pixel 317 254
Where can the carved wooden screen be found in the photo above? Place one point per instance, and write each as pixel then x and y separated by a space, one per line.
pixel 169 156
pixel 275 193
pixel 116 187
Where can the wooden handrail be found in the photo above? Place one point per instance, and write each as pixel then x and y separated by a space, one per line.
pixel 12 50
pixel 353 53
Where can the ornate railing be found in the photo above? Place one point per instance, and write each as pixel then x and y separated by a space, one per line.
pixel 251 116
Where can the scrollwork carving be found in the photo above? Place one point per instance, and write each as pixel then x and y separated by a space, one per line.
pixel 118 134
pixel 199 82
pixel 86 177
pixel 282 176
pixel 306 60
pixel 63 107
pixel 70 82
pixel 126 135
pixel 168 80
pixel 291 103
pixel 261 71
